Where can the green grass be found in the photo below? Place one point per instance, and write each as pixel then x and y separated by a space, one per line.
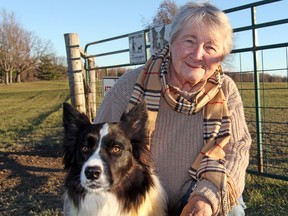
pixel 265 196
pixel 273 117
pixel 30 111
pixel 31 116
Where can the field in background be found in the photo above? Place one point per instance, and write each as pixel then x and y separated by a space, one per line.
pixel 30 112
pixel 274 118
pixel 31 172
pixel 30 154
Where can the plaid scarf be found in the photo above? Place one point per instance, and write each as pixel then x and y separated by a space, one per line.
pixel 151 84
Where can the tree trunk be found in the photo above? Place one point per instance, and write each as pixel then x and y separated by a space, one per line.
pixel 11 76
pixel 6 78
pixel 18 77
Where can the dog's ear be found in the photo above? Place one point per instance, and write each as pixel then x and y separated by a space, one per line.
pixel 135 123
pixel 136 119
pixel 73 122
pixel 73 119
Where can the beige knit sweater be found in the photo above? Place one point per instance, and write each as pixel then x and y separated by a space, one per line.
pixel 178 138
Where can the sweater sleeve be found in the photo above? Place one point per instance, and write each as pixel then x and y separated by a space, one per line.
pixel 116 100
pixel 237 150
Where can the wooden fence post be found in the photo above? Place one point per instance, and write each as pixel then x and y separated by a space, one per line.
pixel 92 78
pixel 75 71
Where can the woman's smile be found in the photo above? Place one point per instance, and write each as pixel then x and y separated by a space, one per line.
pixel 195 56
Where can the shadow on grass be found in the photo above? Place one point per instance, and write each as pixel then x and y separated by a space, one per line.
pixel 39 120
pixel 23 134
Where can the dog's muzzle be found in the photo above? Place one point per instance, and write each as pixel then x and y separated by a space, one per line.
pixel 93 177
pixel 92 172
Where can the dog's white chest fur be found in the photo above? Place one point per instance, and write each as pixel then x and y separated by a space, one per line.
pixel 104 204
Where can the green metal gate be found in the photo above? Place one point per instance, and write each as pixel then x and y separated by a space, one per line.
pixel 265 100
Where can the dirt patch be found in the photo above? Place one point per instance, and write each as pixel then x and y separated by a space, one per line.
pixel 31 181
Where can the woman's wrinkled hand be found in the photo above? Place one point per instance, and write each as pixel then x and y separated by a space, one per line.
pixel 197 206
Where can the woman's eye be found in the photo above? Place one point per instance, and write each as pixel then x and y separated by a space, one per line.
pixel 211 48
pixel 189 41
pixel 85 149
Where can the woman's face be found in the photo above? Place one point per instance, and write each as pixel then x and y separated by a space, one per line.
pixel 196 54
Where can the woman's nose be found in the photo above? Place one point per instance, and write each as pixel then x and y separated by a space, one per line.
pixel 198 53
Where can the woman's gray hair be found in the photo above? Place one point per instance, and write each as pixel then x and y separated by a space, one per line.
pixel 215 20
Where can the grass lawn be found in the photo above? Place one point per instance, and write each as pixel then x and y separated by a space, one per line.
pixel 31 172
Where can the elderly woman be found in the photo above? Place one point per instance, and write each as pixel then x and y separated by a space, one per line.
pixel 199 137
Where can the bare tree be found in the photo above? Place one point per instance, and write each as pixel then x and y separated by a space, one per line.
pixel 20 50
pixel 165 13
pixel 10 32
pixel 30 52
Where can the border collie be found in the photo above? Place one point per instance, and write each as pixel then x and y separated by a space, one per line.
pixel 109 167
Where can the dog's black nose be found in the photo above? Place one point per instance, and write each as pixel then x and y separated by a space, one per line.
pixel 92 173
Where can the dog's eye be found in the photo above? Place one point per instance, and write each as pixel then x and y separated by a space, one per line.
pixel 115 149
pixel 85 149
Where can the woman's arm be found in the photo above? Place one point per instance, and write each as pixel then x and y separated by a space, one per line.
pixel 237 150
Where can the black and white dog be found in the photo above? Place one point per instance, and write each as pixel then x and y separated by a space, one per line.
pixel 109 167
